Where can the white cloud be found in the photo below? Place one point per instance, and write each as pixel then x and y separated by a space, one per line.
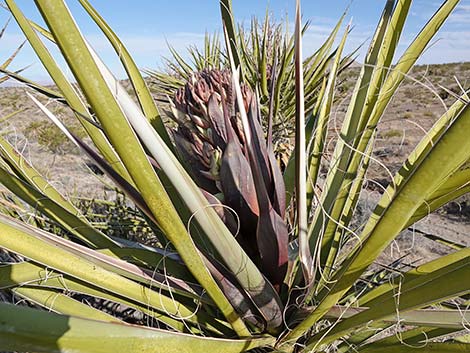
pixel 461 15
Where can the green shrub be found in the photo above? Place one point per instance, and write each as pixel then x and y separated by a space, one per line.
pixel 392 133
pixel 50 137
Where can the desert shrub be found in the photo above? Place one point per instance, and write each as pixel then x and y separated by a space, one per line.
pixel 407 115
pixel 392 133
pixel 51 138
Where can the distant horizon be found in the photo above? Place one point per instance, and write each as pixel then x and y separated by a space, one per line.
pixel 145 30
pixel 13 83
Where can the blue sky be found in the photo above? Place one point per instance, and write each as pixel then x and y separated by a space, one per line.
pixel 145 26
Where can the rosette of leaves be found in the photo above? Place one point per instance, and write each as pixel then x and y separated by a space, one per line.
pixel 199 289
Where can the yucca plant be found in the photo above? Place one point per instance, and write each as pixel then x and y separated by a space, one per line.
pixel 282 282
pixel 257 49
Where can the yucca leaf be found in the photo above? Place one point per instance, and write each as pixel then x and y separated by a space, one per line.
pixel 323 54
pixel 319 61
pixel 462 339
pixel 184 68
pixel 20 273
pixel 127 188
pixel 215 52
pixel 289 172
pixel 458 184
pixel 197 59
pixel 58 333
pixel 26 273
pixel 279 199
pixel 284 60
pixel 29 243
pixel 4 79
pixel 12 56
pixel 300 154
pixel 413 294
pixel 319 136
pixel 122 137
pixel 414 337
pixel 449 319
pixel 384 62
pixel 233 255
pixel 263 60
pixel 422 270
pixel 140 87
pixel 69 93
pixel 441 240
pixel 28 173
pixel 46 91
pixel 69 221
pixel 164 260
pixel 229 24
pixel 255 43
pixel 4 28
pixel 274 236
pixel 248 64
pixel 343 223
pixel 386 223
pixel 57 302
pixel 429 347
pixel 336 178
pixel 9 60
